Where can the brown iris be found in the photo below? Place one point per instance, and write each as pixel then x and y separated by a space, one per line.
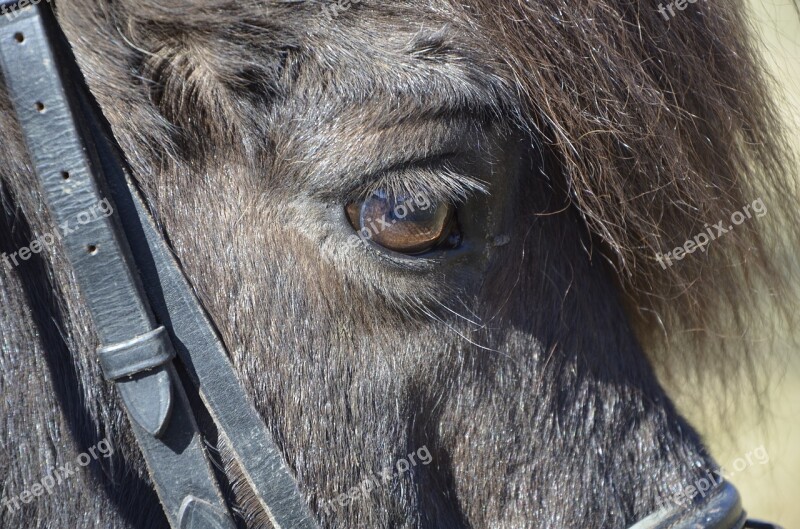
pixel 405 223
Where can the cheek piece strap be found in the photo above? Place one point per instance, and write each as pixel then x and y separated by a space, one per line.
pixel 153 332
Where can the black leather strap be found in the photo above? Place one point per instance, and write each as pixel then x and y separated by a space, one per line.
pixel 74 157
pixel 758 524
pixel 205 358
pixel 31 51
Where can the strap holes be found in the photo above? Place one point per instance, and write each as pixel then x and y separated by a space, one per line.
pixel 39 106
pixel 92 249
pixel 65 175
pixel 19 37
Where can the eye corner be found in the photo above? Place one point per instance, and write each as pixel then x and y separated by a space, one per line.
pixel 352 211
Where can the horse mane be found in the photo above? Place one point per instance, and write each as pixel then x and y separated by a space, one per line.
pixel 662 129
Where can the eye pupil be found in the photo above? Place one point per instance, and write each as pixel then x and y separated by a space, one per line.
pixel 410 224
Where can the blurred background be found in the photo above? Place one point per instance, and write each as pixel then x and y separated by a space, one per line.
pixel 770 485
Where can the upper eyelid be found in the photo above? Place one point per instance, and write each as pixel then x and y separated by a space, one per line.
pixel 406 176
pixel 334 169
pixel 440 184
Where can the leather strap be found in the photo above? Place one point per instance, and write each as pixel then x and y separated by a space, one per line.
pixel 205 358
pixel 134 349
pixel 75 159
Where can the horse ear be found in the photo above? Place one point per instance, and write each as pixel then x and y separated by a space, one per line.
pixel 204 91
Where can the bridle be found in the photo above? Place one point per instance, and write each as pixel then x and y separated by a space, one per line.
pixel 143 317
pixel 147 315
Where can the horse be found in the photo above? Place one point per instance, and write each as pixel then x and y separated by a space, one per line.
pixel 449 248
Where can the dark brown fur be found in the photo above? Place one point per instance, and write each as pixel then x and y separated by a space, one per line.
pixel 619 136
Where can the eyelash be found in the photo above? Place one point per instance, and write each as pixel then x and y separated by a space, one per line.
pixel 440 184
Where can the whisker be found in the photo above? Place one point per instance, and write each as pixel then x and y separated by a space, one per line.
pixel 459 334
pixel 456 313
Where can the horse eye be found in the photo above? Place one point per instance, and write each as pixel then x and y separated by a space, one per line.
pixel 409 224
